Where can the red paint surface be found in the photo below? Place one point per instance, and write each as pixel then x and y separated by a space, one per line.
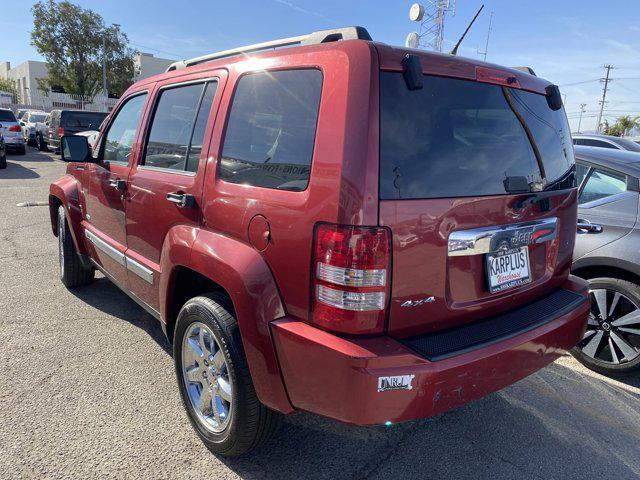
pixel 338 377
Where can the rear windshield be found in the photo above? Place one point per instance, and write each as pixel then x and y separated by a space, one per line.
pixel 37 117
pixel 84 119
pixel 457 138
pixel 628 144
pixel 7 116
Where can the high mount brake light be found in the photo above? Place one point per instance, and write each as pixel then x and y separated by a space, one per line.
pixel 498 77
pixel 351 283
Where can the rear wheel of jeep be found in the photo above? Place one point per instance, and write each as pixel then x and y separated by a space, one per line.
pixel 611 344
pixel 214 379
pixel 72 272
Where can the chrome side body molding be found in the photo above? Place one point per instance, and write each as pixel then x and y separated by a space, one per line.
pixel 128 262
pixel 501 237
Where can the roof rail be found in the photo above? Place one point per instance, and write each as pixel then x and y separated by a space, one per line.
pixel 528 70
pixel 322 36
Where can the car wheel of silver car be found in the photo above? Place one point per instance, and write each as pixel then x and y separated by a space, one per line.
pixel 214 379
pixel 72 272
pixel 611 343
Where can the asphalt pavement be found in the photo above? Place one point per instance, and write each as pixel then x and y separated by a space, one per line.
pixel 87 390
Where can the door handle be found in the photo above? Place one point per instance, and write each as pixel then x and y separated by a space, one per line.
pixel 183 200
pixel 118 184
pixel 585 226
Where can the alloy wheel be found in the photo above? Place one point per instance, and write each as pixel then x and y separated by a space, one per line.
pixel 613 328
pixel 206 377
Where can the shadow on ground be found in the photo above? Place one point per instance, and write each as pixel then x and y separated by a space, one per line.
pixel 33 155
pixel 103 295
pixel 15 171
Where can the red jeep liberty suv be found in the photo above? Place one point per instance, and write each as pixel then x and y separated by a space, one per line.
pixel 369 233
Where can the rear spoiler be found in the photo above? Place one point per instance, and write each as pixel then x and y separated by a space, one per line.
pixel 528 70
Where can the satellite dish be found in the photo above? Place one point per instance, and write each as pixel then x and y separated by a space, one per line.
pixel 416 12
pixel 413 40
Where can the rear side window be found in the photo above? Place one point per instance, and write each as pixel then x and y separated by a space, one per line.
pixel 86 120
pixel 7 116
pixel 181 114
pixel 271 129
pixel 601 185
pixel 457 138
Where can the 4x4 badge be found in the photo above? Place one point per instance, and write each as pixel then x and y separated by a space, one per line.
pixel 416 303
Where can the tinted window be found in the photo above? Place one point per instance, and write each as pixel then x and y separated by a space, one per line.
pixel 458 138
pixel 602 184
pixel 37 117
pixel 7 116
pixel 122 130
pixel 271 129
pixel 84 120
pixel 596 143
pixel 174 124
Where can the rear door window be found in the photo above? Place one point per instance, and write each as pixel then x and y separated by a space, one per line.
pixel 83 120
pixel 178 127
pixel 271 129
pixel 457 138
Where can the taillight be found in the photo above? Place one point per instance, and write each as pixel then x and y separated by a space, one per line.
pixel 60 132
pixel 15 128
pixel 350 284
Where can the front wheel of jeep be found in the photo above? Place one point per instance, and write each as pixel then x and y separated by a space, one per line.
pixel 214 379
pixel 72 272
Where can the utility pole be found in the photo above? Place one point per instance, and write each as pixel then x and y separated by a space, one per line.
pixel 604 96
pixel 582 110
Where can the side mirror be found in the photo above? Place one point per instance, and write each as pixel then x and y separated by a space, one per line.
pixel 75 148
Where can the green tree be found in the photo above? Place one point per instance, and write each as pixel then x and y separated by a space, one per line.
pixel 9 86
pixel 622 126
pixel 70 38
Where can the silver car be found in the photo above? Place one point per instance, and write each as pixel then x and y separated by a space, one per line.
pixel 606 141
pixel 11 131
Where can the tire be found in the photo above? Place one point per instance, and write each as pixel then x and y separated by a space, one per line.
pixel 22 150
pixel 611 345
pixel 231 428
pixel 3 161
pixel 72 272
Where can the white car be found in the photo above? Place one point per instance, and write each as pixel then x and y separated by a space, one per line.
pixel 33 126
pixel 92 136
pixel 11 131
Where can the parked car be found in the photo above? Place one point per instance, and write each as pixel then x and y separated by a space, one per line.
pixel 32 123
pixel 607 255
pixel 11 131
pixel 3 153
pixel 257 207
pixel 70 122
pixel 606 141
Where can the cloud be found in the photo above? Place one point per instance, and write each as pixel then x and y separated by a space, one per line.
pixel 300 9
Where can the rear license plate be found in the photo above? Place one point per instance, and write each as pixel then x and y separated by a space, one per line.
pixel 508 269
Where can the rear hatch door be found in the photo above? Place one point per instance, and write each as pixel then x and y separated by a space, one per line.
pixel 477 184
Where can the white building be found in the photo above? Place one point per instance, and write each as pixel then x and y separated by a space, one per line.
pixel 146 65
pixel 24 76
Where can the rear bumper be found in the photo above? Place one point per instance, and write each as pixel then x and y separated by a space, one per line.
pixel 339 378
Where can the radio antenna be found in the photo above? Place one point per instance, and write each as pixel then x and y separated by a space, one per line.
pixel 455 49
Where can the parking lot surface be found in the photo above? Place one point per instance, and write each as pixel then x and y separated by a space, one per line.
pixel 87 390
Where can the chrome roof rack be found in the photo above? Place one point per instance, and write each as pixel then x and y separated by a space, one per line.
pixel 322 36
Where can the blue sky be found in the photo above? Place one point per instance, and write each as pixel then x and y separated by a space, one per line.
pixel 567 42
